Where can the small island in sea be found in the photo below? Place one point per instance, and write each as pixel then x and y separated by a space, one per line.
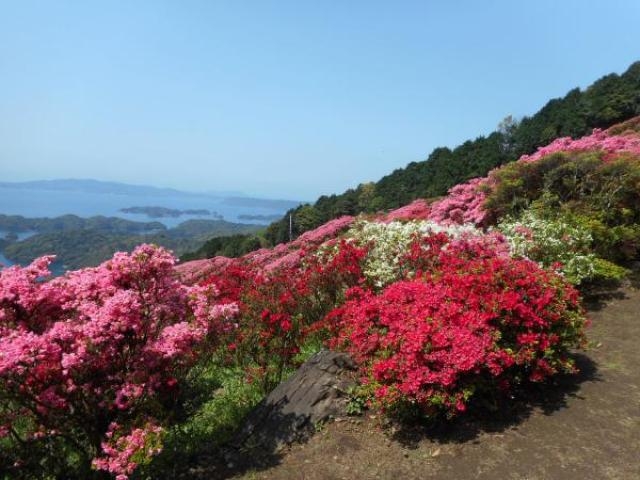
pixel 163 212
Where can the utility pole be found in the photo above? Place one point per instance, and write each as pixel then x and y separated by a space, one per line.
pixel 290 227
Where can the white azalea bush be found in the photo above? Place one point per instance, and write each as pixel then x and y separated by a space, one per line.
pixel 557 241
pixel 389 242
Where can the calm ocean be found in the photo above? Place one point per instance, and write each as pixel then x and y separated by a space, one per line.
pixel 50 203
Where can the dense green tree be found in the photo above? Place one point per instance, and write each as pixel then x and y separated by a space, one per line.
pixel 306 218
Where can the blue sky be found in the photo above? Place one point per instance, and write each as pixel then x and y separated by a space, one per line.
pixel 288 99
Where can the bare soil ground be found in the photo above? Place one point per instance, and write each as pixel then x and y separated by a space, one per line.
pixel 581 427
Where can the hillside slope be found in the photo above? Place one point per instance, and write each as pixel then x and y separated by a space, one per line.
pixel 612 99
pixel 591 184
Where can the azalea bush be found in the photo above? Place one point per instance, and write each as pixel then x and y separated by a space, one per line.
pixel 610 142
pixel 599 171
pixel 92 363
pixel 595 180
pixel 416 210
pixel 463 204
pixel 566 179
pixel 560 243
pixel 278 306
pixel 601 197
pixel 471 323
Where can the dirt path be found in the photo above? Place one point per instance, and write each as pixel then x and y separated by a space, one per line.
pixel 585 427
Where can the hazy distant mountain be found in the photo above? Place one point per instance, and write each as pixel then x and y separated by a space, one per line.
pixel 225 193
pixel 260 202
pixel 98 186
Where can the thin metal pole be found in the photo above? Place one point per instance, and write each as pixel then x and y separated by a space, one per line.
pixel 290 227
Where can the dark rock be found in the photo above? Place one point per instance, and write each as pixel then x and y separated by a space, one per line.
pixel 292 412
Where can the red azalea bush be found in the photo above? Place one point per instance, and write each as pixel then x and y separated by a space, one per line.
pixel 90 363
pixel 278 305
pixel 269 330
pixel 470 321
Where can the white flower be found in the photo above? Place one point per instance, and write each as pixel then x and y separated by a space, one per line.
pixel 549 241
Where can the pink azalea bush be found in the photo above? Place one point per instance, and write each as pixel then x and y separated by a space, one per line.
pixel 416 210
pixel 463 204
pixel 98 346
pixel 197 270
pixel 123 453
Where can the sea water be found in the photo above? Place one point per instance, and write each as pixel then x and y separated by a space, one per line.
pixel 33 203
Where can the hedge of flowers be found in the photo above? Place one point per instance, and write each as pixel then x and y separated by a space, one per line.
pixel 278 306
pixel 580 193
pixel 388 243
pixel 433 314
pixel 351 286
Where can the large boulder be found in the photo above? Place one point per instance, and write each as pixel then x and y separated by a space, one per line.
pixel 316 392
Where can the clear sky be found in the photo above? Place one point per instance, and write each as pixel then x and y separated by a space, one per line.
pixel 288 99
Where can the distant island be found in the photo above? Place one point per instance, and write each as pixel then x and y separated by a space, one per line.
pixel 265 218
pixel 86 197
pixel 163 212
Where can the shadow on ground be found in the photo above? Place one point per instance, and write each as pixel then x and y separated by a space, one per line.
pixel 598 295
pixel 506 414
pixel 229 461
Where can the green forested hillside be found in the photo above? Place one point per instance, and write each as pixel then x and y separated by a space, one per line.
pixel 98 240
pixel 18 223
pixel 611 99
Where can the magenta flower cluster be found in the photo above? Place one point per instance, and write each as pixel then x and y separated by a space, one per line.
pixel 416 210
